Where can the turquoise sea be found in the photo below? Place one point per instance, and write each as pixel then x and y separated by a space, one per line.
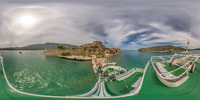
pixel 134 59
pixel 34 73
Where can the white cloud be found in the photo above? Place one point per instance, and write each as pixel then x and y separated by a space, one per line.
pixel 83 22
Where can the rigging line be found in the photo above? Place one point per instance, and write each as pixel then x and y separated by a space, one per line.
pixel 126 85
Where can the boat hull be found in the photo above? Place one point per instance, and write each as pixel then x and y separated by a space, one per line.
pixel 172 83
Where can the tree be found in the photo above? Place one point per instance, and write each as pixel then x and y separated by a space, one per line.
pixel 61 47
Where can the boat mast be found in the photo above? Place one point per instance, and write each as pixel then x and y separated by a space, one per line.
pixel 188 42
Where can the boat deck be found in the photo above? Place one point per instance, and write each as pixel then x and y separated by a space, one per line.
pixel 173 67
pixel 155 90
pixel 122 87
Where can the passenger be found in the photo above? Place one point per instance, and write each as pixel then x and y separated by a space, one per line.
pixel 111 79
pixel 106 74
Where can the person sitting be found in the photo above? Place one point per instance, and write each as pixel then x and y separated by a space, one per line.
pixel 111 79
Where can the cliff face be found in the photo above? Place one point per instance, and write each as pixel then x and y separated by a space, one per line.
pixel 168 48
pixel 95 48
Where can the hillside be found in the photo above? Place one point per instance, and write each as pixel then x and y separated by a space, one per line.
pixel 39 46
pixel 195 49
pixel 167 48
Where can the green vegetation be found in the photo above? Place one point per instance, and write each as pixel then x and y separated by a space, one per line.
pixel 90 50
pixel 89 54
pixel 94 50
pixel 167 48
pixel 83 53
pixel 61 47
pixel 100 55
pixel 66 54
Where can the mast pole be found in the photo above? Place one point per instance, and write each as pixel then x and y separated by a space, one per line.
pixel 188 42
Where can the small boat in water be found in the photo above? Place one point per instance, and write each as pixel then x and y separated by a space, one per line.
pixel 20 52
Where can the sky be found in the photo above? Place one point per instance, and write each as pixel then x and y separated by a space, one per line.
pixel 125 24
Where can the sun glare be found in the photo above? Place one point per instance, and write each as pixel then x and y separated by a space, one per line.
pixel 27 20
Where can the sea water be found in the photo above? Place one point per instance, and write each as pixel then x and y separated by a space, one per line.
pixel 47 75
pixel 34 73
pixel 133 59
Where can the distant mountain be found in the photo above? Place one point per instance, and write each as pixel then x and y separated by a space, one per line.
pixel 167 48
pixel 39 46
pixel 196 49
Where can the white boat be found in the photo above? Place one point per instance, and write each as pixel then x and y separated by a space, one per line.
pixel 173 70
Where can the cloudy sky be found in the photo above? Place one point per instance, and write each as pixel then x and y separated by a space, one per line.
pixel 125 24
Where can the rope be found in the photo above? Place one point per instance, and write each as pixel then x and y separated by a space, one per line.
pixel 126 85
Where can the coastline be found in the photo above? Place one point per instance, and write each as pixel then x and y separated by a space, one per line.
pixel 96 61
pixel 95 52
pixel 78 58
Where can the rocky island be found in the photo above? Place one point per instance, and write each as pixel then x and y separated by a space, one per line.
pixel 94 51
pixel 83 52
pixel 167 48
